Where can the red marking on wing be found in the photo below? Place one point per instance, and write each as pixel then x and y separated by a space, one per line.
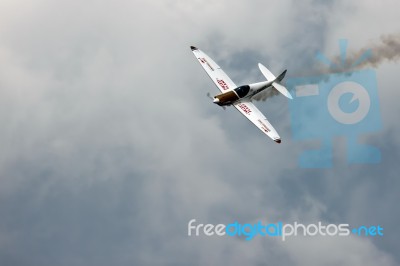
pixel 245 108
pixel 223 84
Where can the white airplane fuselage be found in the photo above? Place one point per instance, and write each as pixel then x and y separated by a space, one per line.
pixel 241 93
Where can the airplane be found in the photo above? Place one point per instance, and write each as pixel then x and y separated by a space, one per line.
pixel 240 97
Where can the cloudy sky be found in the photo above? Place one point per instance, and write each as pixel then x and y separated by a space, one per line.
pixel 109 145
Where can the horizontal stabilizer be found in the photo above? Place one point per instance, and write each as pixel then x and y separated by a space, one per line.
pixel 267 74
pixel 282 89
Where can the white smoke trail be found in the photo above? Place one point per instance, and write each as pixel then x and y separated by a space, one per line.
pixel 386 50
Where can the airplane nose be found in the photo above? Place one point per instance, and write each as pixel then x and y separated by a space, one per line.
pixel 216 100
pixel 278 140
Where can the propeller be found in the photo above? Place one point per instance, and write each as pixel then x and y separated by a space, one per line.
pixel 209 96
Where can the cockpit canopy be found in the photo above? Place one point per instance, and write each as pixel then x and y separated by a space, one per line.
pixel 242 90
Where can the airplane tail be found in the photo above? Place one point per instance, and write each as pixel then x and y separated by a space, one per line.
pixel 271 77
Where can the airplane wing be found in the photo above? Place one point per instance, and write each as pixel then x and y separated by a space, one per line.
pixel 250 111
pixel 217 75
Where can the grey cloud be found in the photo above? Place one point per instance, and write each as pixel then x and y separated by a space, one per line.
pixel 109 146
